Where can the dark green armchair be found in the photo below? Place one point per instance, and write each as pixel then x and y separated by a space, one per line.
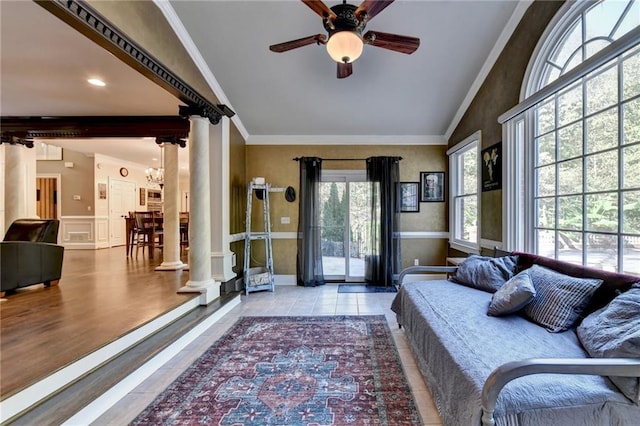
pixel 30 255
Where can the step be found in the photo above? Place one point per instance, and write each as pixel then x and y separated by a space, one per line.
pixel 61 406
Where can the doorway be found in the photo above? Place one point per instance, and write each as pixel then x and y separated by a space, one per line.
pixel 47 196
pixel 345 200
pixel 122 200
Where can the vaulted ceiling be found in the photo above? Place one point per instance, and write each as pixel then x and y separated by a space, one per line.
pixel 291 97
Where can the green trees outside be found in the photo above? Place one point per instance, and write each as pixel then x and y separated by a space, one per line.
pixel 334 209
pixel 586 169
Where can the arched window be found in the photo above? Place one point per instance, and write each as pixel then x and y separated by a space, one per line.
pixel 577 140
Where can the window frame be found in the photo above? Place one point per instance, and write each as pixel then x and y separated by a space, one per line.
pixel 456 152
pixel 519 133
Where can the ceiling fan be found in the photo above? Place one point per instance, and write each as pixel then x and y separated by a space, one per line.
pixel 344 24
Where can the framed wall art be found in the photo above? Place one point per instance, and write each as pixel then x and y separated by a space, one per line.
pixel 492 167
pixel 102 191
pixel 431 187
pixel 143 196
pixel 408 197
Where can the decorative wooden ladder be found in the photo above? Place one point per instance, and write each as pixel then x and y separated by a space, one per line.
pixel 258 278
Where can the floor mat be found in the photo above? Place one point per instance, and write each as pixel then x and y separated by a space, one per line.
pixel 360 288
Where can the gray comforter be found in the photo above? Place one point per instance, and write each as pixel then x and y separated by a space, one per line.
pixel 457 346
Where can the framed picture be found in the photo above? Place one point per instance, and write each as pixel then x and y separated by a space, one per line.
pixel 431 187
pixel 102 191
pixel 143 196
pixel 408 197
pixel 492 167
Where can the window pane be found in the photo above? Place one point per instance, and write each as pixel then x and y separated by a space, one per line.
pixel 602 90
pixel 470 172
pixel 602 212
pixel 570 212
pixel 546 212
pixel 631 76
pixel 467 209
pixel 570 246
pixel 568 45
pixel 602 130
pixel 630 21
pixel 546 180
pixel 570 177
pixel 570 105
pixel 546 117
pixel 550 73
pixel 631 122
pixel 570 141
pixel 546 243
pixel 631 166
pixel 631 257
pixel 602 18
pixel 546 148
pixel 594 46
pixel 602 171
pixel 602 251
pixel 631 213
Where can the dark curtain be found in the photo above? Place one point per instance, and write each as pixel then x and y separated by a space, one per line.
pixel 383 173
pixel 309 259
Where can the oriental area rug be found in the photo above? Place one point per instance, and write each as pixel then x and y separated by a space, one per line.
pixel 328 370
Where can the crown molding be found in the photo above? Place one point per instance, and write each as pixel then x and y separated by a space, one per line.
pixel 346 140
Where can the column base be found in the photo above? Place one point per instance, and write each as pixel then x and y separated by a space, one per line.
pixel 208 290
pixel 170 266
pixel 222 266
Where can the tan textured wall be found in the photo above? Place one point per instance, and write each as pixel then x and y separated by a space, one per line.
pixel 237 179
pixel 276 164
pixel 500 92
pixel 78 180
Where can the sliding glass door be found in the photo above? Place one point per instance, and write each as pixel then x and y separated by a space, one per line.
pixel 345 209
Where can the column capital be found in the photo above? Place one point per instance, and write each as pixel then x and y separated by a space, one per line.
pixel 205 111
pixel 173 140
pixel 16 140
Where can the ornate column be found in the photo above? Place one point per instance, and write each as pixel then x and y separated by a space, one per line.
pixel 171 223
pixel 221 254
pixel 200 279
pixel 15 190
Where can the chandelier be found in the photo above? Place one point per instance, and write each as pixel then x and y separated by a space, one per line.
pixel 156 174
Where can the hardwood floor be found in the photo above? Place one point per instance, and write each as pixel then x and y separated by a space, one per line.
pixel 101 296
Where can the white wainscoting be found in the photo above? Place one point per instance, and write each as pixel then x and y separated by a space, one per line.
pixel 84 232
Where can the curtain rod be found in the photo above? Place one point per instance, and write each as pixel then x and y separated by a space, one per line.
pixel 340 159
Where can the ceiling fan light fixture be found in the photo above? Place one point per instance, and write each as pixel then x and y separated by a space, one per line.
pixel 345 46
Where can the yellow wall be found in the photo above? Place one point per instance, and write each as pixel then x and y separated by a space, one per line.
pixel 275 163
pixel 237 194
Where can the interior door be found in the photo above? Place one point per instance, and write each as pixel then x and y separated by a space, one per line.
pixel 122 200
pixel 47 198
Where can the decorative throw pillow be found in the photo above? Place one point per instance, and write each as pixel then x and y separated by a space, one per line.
pixel 560 299
pixel 514 295
pixel 485 273
pixel 614 331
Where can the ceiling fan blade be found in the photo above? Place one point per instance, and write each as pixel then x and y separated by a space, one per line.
pixel 320 8
pixel 398 43
pixel 294 44
pixel 345 69
pixel 372 7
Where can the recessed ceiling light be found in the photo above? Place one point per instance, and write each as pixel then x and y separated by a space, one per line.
pixel 97 82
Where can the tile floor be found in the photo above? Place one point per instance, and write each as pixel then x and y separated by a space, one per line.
pixel 285 300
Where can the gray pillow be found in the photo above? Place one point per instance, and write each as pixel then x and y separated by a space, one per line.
pixel 485 273
pixel 560 299
pixel 614 331
pixel 514 295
